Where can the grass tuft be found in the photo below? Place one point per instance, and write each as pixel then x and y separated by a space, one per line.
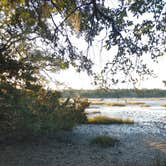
pixel 104 141
pixel 92 112
pixel 107 120
pixel 115 104
pixel 100 102
pixel 163 105
pixel 145 105
pixel 136 103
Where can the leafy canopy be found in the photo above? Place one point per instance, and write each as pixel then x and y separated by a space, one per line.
pixel 36 35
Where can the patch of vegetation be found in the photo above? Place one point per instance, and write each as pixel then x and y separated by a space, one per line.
pixel 115 104
pixel 92 112
pixel 163 105
pixel 136 103
pixel 107 120
pixel 160 161
pixel 145 105
pixel 119 104
pixel 104 141
pixel 26 112
pixel 96 102
pixel 100 102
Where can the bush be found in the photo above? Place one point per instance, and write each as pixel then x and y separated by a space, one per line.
pixel 25 112
pixel 104 141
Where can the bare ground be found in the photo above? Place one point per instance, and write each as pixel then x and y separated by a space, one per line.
pixel 63 150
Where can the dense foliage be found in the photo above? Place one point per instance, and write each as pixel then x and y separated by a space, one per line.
pixel 25 113
pixel 40 36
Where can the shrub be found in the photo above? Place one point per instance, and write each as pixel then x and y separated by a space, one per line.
pixel 25 112
pixel 104 141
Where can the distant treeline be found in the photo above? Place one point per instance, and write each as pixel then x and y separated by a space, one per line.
pixel 115 93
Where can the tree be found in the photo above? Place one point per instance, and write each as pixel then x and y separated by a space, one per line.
pixel 37 35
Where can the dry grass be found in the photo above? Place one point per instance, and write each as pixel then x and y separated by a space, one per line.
pixel 145 105
pixel 115 104
pixel 92 112
pixel 104 141
pixel 107 120
pixel 96 102
pixel 120 104
pixel 163 105
pixel 135 103
pixel 99 102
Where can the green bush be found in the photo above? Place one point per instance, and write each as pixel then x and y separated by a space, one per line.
pixel 25 112
pixel 104 141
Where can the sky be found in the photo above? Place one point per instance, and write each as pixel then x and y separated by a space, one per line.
pixel 70 79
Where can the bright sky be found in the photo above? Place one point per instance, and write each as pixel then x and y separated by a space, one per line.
pixel 75 80
pixel 71 79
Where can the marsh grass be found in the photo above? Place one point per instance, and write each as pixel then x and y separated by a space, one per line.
pixel 145 105
pixel 135 103
pixel 92 112
pixel 104 141
pixel 98 102
pixel 115 104
pixel 119 104
pixel 163 105
pixel 107 120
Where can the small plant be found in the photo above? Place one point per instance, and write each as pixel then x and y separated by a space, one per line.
pixel 107 120
pixel 104 141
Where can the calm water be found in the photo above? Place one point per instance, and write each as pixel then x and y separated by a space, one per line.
pixel 149 121
pixel 138 113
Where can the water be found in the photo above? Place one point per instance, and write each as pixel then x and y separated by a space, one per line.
pixel 140 142
pixel 154 113
pixel 149 121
